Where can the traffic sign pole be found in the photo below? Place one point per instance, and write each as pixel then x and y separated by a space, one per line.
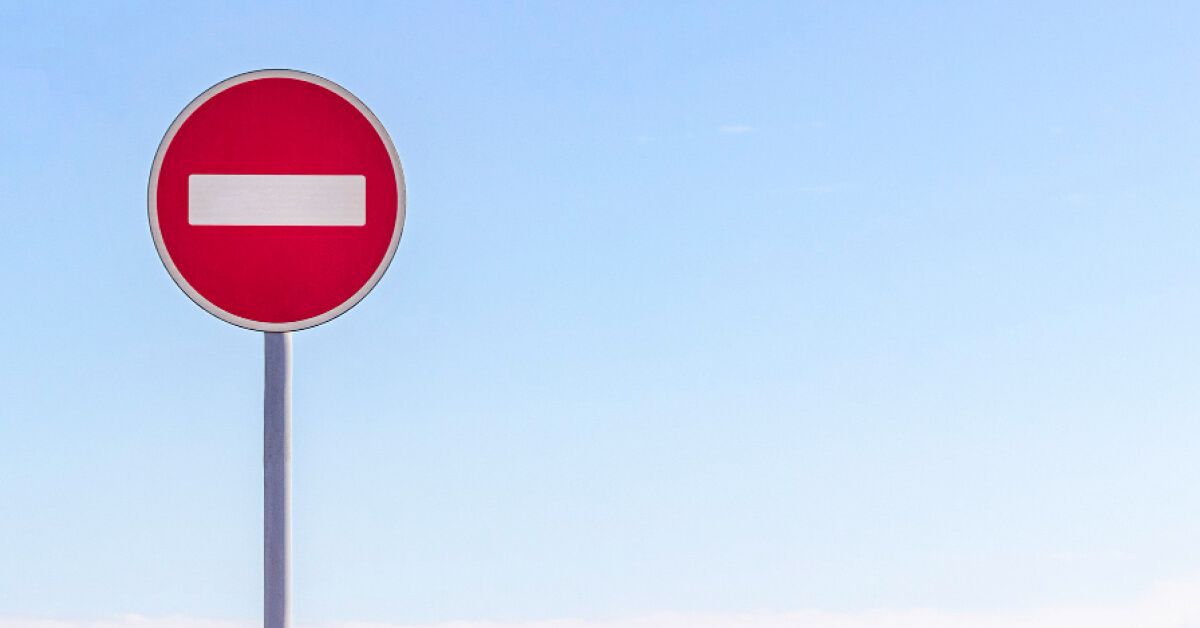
pixel 277 481
pixel 276 203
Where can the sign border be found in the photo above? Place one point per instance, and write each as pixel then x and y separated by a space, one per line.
pixel 152 201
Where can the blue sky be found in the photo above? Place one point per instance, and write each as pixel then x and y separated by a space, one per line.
pixel 709 308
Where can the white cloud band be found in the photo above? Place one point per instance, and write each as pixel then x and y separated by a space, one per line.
pixel 1169 605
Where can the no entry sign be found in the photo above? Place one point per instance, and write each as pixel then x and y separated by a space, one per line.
pixel 276 200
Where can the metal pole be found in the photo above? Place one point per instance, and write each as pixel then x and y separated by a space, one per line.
pixel 277 481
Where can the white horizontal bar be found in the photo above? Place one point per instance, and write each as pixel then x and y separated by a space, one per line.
pixel 277 200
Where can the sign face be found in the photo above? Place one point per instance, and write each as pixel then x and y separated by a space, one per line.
pixel 276 200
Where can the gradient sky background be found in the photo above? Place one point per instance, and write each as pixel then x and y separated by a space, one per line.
pixel 710 308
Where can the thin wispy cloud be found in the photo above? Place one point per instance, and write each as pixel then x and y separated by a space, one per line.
pixel 126 621
pixel 735 129
pixel 1167 605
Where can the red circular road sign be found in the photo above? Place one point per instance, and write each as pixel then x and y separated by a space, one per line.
pixel 276 200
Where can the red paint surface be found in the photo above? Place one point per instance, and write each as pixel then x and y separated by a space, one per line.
pixel 277 126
